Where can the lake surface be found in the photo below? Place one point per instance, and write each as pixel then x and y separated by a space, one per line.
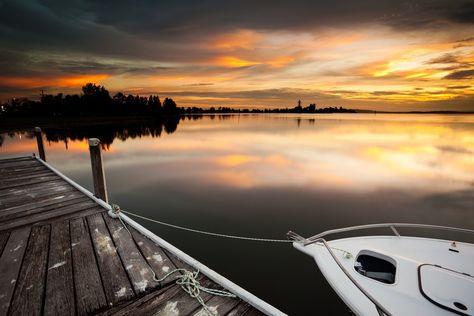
pixel 262 175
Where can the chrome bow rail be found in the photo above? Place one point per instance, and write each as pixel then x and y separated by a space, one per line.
pixel 392 226
pixel 319 238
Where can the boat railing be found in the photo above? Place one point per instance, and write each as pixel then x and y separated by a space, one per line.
pixel 392 226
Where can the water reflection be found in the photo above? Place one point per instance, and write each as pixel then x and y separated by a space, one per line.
pixel 354 153
pixel 264 174
pixel 107 132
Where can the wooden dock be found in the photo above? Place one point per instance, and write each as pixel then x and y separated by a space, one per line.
pixel 62 254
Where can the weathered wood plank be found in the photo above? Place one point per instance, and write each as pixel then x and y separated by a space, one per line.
pixel 17 177
pixel 18 164
pixel 10 263
pixel 61 211
pixel 153 253
pixel 254 312
pixel 137 268
pixel 171 300
pixel 3 241
pixel 29 200
pixel 117 287
pixel 181 304
pixel 29 291
pixel 90 295
pixel 74 215
pixel 21 173
pixel 178 262
pixel 44 209
pixel 148 302
pixel 24 183
pixel 41 205
pixel 22 169
pixel 19 167
pixel 218 305
pixel 59 298
pixel 241 308
pixel 22 158
pixel 32 191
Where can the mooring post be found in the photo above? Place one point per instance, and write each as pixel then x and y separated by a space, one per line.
pixel 39 141
pixel 100 189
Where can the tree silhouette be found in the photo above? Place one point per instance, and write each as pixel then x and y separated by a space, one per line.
pixel 169 106
pixel 95 100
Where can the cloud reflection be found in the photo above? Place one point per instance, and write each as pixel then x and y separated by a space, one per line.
pixel 358 153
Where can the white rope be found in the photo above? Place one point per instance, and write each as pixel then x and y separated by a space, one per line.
pixel 116 208
pixel 187 280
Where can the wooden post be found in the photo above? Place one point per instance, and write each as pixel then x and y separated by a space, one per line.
pixel 39 141
pixel 100 189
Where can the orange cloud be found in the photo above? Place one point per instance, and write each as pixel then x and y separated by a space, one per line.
pixel 235 160
pixel 234 62
pixel 281 61
pixel 244 39
pixel 62 81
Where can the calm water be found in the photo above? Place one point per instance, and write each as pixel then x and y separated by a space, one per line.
pixel 263 175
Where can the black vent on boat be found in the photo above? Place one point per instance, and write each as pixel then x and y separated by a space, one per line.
pixel 375 268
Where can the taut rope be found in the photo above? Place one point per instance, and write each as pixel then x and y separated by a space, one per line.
pixel 188 280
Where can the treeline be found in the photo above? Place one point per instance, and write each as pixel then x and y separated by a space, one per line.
pixel 297 109
pixel 94 100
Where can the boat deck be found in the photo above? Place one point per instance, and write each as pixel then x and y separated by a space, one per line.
pixel 62 254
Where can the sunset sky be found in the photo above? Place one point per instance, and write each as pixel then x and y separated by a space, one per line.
pixel 368 54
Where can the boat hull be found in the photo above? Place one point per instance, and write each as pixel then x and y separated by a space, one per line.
pixel 414 291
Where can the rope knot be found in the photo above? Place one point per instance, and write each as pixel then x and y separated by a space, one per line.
pixel 115 209
pixel 188 280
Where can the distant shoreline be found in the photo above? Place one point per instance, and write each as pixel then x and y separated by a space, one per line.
pixel 9 123
pixel 413 112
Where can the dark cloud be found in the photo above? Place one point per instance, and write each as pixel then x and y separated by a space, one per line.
pixel 199 84
pixel 284 93
pixel 448 58
pixel 462 74
pixel 458 87
pixel 455 149
pixel 163 30
pixel 47 38
pixel 464 13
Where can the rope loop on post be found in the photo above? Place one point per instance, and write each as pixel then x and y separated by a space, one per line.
pixel 114 211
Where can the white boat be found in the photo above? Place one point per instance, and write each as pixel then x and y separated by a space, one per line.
pixel 394 274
